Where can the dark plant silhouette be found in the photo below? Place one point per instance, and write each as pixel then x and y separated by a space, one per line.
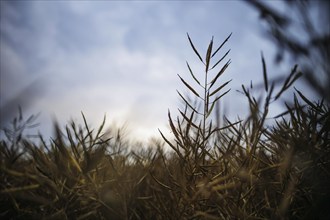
pixel 302 31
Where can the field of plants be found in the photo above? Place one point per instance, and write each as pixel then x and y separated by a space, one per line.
pixel 258 167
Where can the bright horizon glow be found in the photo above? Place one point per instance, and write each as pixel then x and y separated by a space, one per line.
pixel 122 58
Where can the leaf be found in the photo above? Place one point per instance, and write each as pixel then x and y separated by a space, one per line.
pixel 210 110
pixel 293 71
pixel 189 87
pixel 210 129
pixel 188 120
pixel 220 73
pixel 19 189
pixel 208 55
pixel 220 59
pixel 216 99
pixel 289 81
pixel 189 124
pixel 299 74
pixel 171 145
pixel 193 47
pixel 101 127
pixel 192 108
pixel 247 93
pixel 227 126
pixel 306 100
pixel 221 45
pixel 172 125
pixel 264 72
pixel 89 133
pixel 160 183
pixel 192 74
pixel 220 87
pixel 282 114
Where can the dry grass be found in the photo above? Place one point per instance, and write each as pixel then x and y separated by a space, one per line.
pixel 234 170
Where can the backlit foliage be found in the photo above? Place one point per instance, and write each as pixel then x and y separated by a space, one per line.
pixel 243 169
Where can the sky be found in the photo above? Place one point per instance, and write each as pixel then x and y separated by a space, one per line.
pixel 121 58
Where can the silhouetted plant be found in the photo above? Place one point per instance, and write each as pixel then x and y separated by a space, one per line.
pixel 14 135
pixel 193 132
pixel 309 43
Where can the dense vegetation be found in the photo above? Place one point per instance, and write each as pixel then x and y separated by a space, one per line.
pixel 259 167
pixel 217 169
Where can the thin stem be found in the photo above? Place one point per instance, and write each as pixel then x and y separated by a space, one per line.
pixel 205 110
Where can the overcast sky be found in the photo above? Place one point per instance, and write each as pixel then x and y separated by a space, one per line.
pixel 122 58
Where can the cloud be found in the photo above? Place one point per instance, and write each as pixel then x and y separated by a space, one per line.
pixel 121 57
